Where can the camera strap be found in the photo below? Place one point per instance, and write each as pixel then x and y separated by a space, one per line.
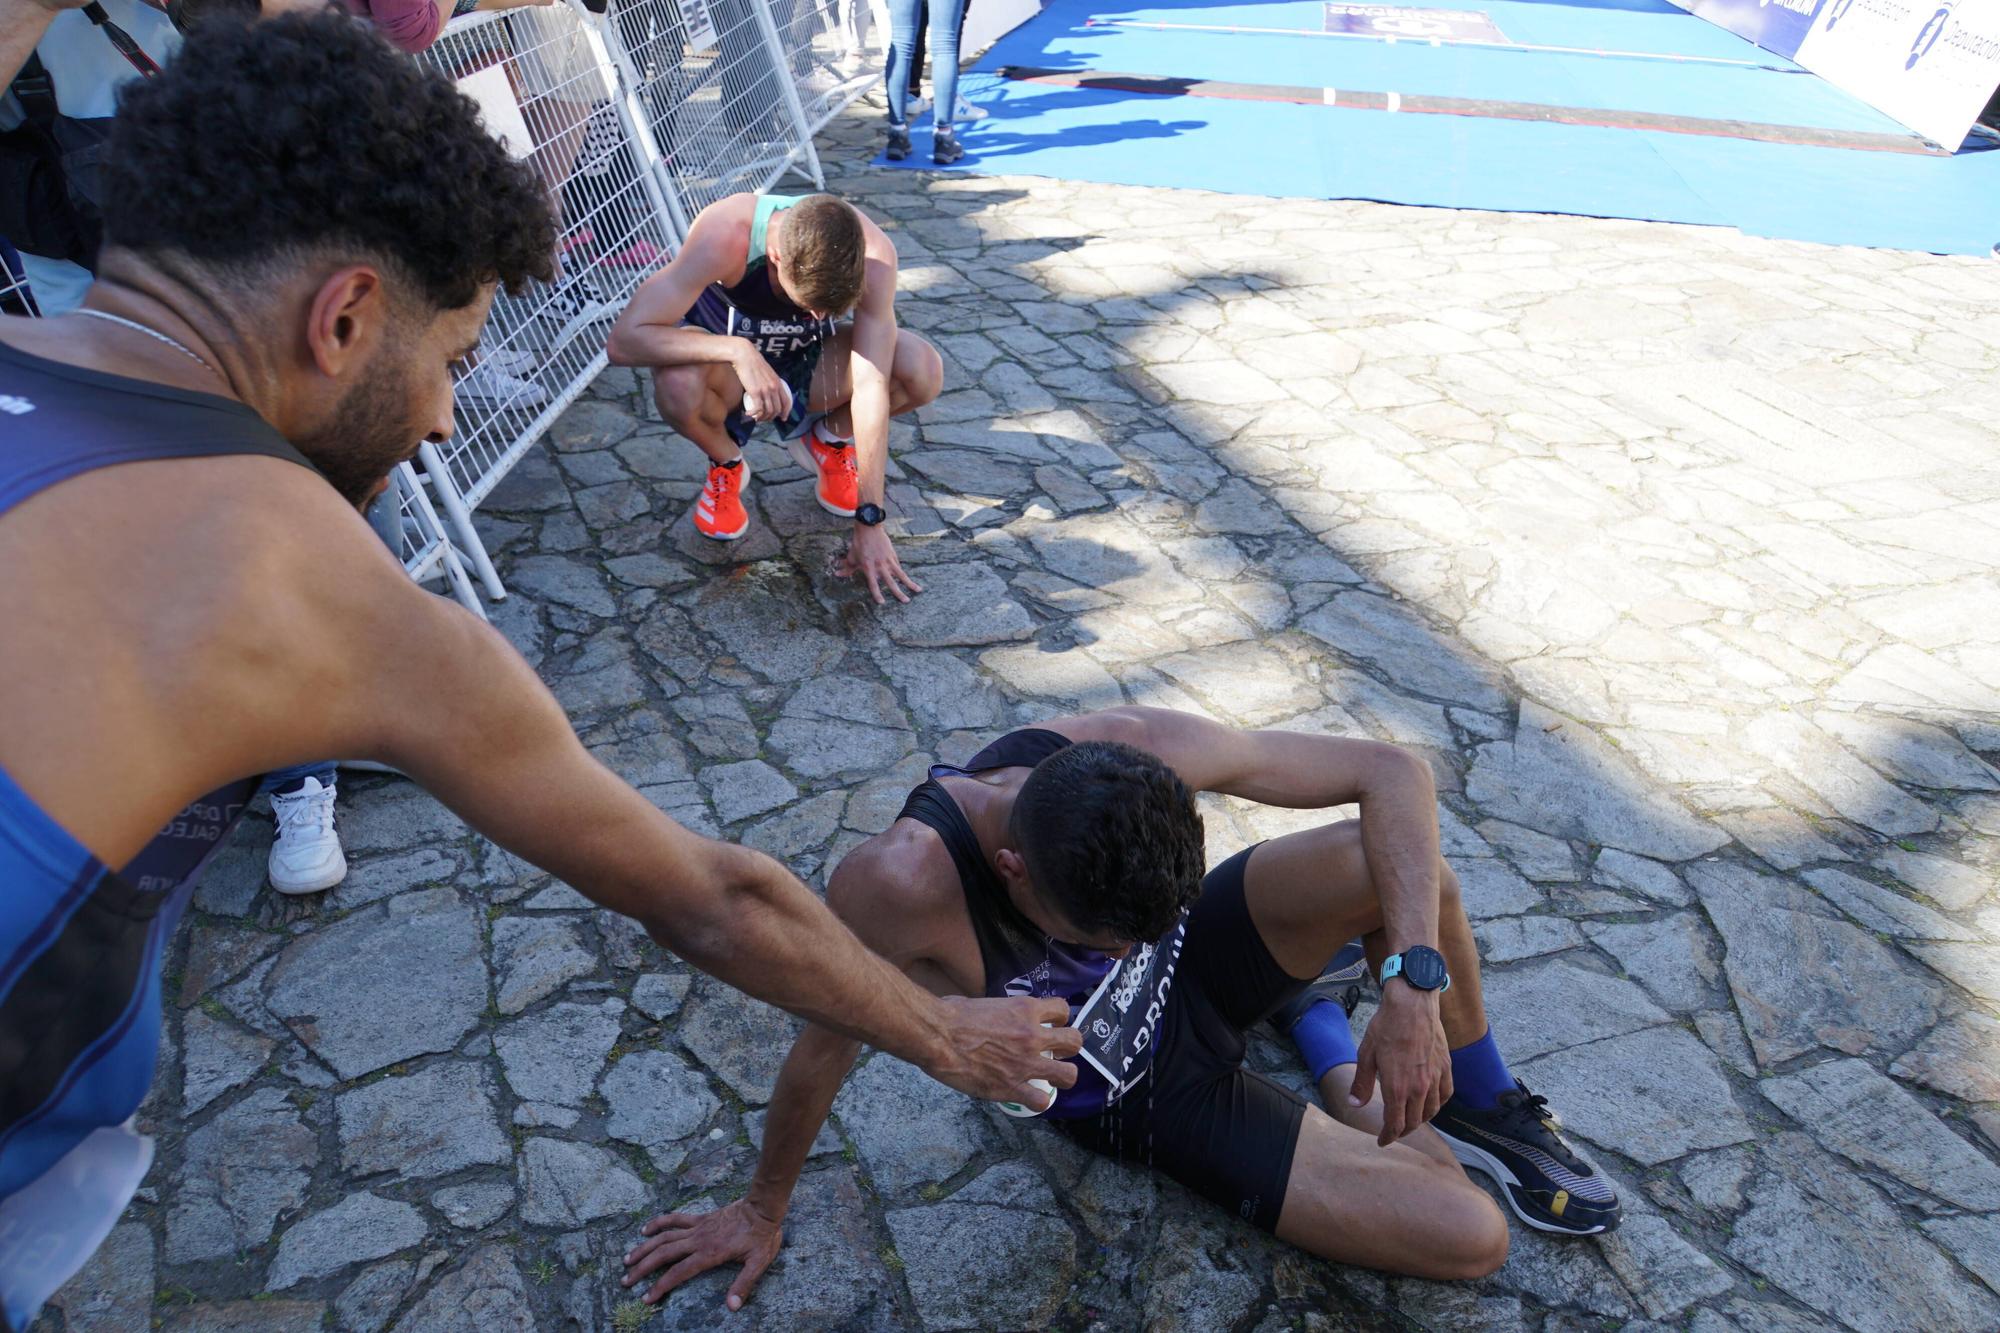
pixel 135 55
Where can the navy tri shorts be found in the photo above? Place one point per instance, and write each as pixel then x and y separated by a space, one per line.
pixel 1223 1131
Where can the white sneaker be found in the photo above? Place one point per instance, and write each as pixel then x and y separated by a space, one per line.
pixel 964 110
pixel 487 383
pixel 306 855
pixel 915 106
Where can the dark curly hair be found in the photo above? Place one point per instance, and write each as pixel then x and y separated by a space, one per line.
pixel 262 143
pixel 1112 837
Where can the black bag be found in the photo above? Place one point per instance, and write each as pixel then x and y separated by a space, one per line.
pixel 48 172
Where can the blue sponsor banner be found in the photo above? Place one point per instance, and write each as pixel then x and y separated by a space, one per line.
pixel 1775 25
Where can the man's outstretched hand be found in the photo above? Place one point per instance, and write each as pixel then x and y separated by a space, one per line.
pixel 872 556
pixel 689 1244
pixel 1405 1048
pixel 997 1047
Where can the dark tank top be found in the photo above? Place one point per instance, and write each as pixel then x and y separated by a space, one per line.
pixel 82 944
pixel 1020 959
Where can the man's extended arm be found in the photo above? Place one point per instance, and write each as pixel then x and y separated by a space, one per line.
pixel 414 680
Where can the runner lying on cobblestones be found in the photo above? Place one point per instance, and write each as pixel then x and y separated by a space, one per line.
pixel 745 325
pixel 189 596
pixel 1066 860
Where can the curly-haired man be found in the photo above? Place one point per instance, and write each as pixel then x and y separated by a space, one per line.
pixel 303 232
pixel 1066 860
pixel 745 325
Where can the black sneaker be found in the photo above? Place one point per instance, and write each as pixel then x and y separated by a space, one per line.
pixel 1340 982
pixel 899 144
pixel 1519 1143
pixel 945 147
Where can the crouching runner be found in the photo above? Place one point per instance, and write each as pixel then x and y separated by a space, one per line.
pixel 750 323
pixel 1066 860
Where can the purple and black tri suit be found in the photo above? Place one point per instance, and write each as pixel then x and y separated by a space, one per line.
pixel 81 944
pixel 1185 1104
pixel 789 337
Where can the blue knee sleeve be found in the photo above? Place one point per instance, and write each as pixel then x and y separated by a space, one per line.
pixel 1324 1039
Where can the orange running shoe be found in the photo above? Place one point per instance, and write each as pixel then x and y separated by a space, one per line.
pixel 719 513
pixel 839 487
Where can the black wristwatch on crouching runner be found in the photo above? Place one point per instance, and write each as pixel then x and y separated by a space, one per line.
pixel 870 515
pixel 1421 966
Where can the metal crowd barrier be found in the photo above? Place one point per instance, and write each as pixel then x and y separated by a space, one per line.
pixel 422 542
pixel 636 119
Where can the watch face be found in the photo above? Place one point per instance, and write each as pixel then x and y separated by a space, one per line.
pixel 871 514
pixel 1424 968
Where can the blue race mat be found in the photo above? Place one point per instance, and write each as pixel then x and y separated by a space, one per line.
pixel 1209 139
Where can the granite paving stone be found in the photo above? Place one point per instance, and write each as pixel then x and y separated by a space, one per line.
pixel 1957 1057
pixel 1653 1095
pixel 1858 1261
pixel 958 1279
pixel 216 1057
pixel 740 1040
pixel 483 1295
pixel 366 1304
pixel 416 958
pixel 235 1175
pixel 534 958
pixel 884 1096
pixel 555 1054
pixel 1559 778
pixel 566 1184
pixel 1852 1110
pixel 656 1101
pixel 359 1228
pixel 1802 980
pixel 430 1123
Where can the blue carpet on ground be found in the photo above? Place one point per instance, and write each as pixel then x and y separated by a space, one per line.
pixel 1300 149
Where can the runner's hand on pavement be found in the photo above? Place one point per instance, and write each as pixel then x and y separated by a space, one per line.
pixel 872 556
pixel 766 397
pixel 1000 1046
pixel 689 1244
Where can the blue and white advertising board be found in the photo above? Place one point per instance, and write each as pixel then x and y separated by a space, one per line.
pixel 1931 64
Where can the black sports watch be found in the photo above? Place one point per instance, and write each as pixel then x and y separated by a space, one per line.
pixel 871 515
pixel 1421 966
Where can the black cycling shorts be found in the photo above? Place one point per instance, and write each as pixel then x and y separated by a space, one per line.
pixel 1223 1131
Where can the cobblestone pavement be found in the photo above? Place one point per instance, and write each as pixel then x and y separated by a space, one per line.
pixel 1673 551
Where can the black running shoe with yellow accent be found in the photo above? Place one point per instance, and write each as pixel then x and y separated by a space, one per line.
pixel 1341 982
pixel 1519 1143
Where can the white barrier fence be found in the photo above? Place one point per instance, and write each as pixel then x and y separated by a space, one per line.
pixel 636 119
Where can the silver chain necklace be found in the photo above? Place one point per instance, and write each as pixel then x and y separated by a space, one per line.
pixel 174 343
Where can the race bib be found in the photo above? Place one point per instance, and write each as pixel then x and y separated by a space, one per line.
pixel 1121 1019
